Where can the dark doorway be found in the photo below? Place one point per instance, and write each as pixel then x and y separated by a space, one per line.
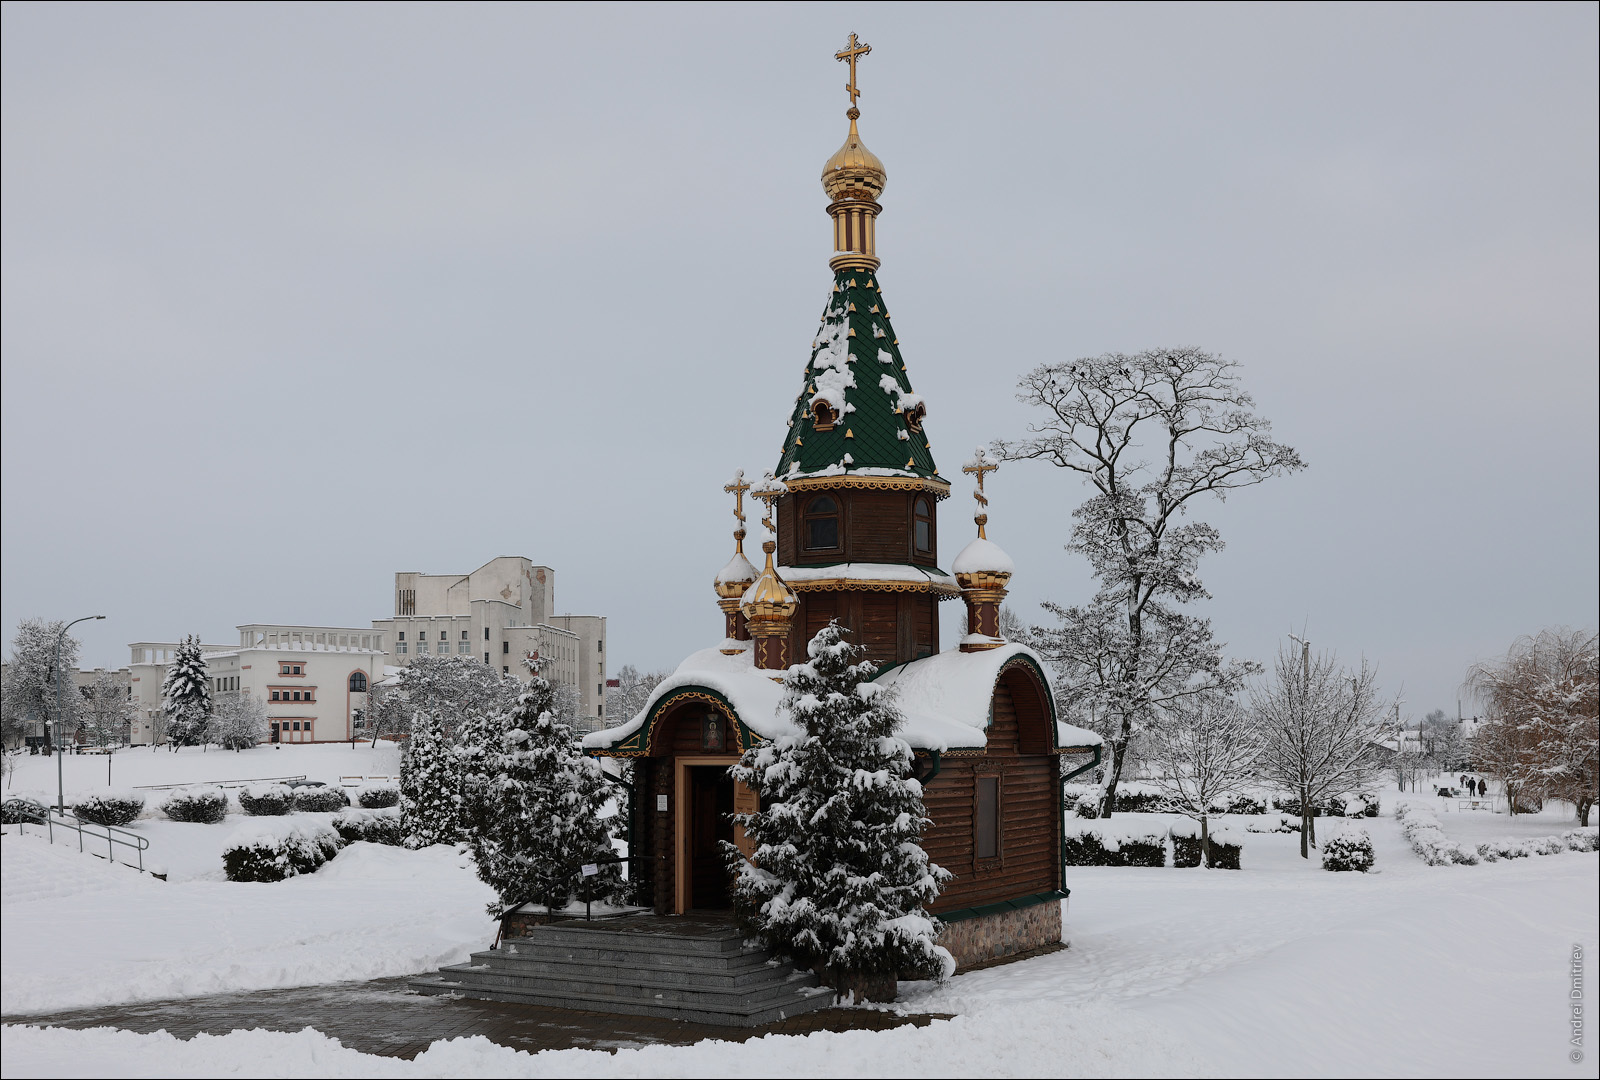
pixel 710 804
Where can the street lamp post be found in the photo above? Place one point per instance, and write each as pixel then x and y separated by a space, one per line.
pixel 55 726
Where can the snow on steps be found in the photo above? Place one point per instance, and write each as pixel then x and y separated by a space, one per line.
pixel 680 969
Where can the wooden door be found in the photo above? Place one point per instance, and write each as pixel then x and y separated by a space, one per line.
pixel 710 824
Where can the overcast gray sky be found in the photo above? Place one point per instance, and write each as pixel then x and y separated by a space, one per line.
pixel 299 296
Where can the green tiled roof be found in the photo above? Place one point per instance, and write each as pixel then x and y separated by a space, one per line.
pixel 854 350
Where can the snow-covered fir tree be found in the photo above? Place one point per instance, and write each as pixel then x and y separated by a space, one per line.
pixel 542 807
pixel 430 784
pixel 186 695
pixel 840 880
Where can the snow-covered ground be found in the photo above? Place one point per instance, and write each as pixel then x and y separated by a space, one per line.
pixel 191 765
pixel 1278 969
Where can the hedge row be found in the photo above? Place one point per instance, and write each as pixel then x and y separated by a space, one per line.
pixel 279 853
pixel 1087 847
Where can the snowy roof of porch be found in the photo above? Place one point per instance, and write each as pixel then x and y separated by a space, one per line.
pixel 945 698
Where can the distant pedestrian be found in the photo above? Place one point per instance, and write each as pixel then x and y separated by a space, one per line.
pixel 1465 782
pixel 1474 787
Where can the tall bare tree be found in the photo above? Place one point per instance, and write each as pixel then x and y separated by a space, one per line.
pixel 1320 728
pixel 1542 702
pixel 1151 434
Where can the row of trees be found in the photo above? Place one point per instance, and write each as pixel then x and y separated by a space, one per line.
pixel 496 765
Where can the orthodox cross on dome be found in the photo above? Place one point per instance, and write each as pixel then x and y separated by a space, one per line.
pixel 849 54
pixel 768 489
pixel 979 466
pixel 737 487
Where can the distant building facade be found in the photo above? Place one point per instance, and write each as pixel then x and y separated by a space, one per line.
pixel 500 613
pixel 314 680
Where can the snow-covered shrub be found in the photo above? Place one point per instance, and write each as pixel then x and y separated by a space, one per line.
pixel 1275 822
pixel 1241 803
pixel 1108 843
pixel 1583 839
pixel 266 800
pixel 320 800
pixel 1350 850
pixel 373 826
pixel 379 796
pixel 272 851
pixel 1082 800
pixel 204 805
pixel 20 808
pixel 1352 804
pixel 1427 839
pixel 1226 846
pixel 108 807
pixel 1136 798
pixel 1575 840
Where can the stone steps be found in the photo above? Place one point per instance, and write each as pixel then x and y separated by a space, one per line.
pixel 696 970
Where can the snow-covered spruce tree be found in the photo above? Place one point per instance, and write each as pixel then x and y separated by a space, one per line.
pixel 430 785
pixel 840 879
pixel 186 696
pixel 543 803
pixel 467 699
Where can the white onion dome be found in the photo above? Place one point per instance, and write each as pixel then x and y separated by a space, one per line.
pixel 983 557
pixel 735 578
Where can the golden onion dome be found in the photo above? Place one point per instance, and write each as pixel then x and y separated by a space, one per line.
pixel 769 596
pixel 854 172
pixel 735 578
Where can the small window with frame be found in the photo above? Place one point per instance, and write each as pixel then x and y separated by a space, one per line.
pixel 822 524
pixel 986 818
pixel 923 528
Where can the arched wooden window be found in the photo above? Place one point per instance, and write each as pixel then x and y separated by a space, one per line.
pixel 924 525
pixel 358 682
pixel 822 524
pixel 914 416
pixel 822 416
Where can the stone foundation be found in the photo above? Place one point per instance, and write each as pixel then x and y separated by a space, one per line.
pixel 1004 933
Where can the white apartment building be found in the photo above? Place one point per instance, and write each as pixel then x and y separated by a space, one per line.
pixel 312 679
pixel 500 613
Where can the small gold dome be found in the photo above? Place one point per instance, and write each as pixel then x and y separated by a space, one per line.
pixel 854 172
pixel 769 598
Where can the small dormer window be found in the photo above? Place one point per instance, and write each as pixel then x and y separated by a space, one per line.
pixel 823 416
pixel 822 524
pixel 923 514
pixel 914 416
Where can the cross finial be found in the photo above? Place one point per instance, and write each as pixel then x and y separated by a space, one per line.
pixel 979 466
pixel 769 490
pixel 737 487
pixel 850 53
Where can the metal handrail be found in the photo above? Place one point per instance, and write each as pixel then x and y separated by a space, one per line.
pixel 219 783
pixel 112 835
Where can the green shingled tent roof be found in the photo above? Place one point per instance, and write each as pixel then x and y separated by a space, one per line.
pixel 854 351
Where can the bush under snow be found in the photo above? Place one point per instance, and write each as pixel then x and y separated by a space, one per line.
pixel 206 805
pixel 320 800
pixel 379 796
pixel 272 851
pixel 1350 850
pixel 266 800
pixel 1226 846
pixel 374 826
pixel 1575 840
pixel 108 807
pixel 1427 839
pixel 20 808
pixel 1108 843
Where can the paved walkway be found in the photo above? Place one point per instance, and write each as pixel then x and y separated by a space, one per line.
pixel 384 1017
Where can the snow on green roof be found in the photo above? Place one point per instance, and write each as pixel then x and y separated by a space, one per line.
pixel 857 374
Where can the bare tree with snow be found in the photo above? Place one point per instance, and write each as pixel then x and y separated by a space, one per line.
pixel 238 721
pixel 1203 751
pixel 632 692
pixel 107 710
pixel 1542 700
pixel 1151 434
pixel 37 685
pixel 1319 727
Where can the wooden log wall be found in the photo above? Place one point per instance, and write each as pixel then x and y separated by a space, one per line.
pixel 894 627
pixel 874 526
pixel 1030 817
